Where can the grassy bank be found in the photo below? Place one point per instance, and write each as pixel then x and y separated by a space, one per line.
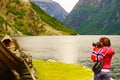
pixel 47 70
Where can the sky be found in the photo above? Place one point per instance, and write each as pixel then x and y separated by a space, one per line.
pixel 67 4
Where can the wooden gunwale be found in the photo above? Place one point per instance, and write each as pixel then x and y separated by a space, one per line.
pixel 10 54
pixel 11 60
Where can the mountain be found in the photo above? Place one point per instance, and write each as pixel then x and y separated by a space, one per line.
pixel 23 17
pixel 95 17
pixel 52 8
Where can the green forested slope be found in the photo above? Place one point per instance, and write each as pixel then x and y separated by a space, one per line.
pixel 22 17
pixel 96 18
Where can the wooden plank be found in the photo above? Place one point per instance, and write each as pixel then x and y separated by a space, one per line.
pixel 30 70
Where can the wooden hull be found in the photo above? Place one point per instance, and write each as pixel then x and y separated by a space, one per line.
pixel 5 70
pixel 14 63
pixel 8 62
pixel 10 59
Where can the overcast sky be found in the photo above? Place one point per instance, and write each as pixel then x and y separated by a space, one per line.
pixel 67 4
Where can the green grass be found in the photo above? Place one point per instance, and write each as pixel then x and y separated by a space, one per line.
pixel 47 70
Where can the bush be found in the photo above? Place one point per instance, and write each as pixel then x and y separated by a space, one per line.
pixel 20 26
pixel 15 1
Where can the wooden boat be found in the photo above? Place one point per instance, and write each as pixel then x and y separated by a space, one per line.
pixel 14 63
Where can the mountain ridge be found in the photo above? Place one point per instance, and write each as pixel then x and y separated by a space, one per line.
pixel 53 8
pixel 95 17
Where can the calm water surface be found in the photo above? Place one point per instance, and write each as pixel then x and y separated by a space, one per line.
pixel 69 49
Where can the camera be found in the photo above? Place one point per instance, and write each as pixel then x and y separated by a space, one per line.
pixel 97 44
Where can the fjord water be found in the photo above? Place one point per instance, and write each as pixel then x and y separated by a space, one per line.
pixel 69 49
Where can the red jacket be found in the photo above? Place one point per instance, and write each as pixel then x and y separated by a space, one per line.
pixel 106 52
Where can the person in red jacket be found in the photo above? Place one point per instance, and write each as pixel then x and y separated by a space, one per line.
pixel 104 49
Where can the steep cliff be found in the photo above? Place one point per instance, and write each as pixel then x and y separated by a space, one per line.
pixel 52 8
pixel 23 17
pixel 95 17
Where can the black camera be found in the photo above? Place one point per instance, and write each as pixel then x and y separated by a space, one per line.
pixel 97 44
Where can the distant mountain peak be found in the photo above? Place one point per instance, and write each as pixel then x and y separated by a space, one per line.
pixel 52 8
